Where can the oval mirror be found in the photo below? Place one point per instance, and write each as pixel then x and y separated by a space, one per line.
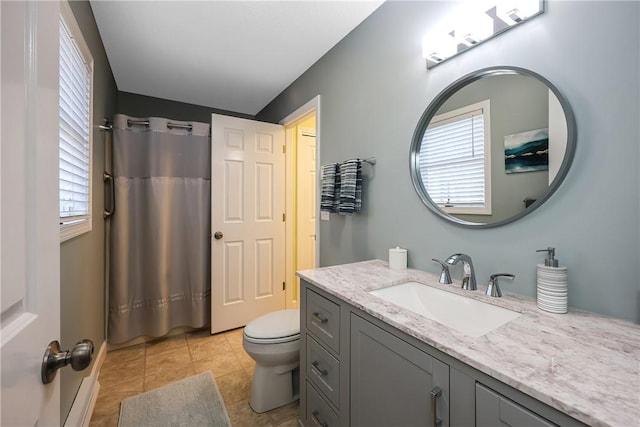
pixel 492 147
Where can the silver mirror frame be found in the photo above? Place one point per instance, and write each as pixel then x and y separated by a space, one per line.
pixel 442 97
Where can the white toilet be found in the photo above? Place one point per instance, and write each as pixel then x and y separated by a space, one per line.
pixel 273 341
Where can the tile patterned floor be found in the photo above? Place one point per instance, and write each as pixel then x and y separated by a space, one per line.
pixel 133 370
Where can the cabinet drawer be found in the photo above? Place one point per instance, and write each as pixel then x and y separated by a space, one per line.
pixel 318 411
pixel 323 320
pixel 493 409
pixel 323 370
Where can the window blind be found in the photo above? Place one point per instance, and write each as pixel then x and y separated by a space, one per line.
pixel 452 161
pixel 75 103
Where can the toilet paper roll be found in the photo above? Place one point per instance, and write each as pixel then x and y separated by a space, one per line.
pixel 397 258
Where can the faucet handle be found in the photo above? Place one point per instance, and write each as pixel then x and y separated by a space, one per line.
pixel 493 289
pixel 445 277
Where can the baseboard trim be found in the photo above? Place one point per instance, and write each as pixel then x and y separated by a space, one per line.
pixel 85 401
pixel 97 365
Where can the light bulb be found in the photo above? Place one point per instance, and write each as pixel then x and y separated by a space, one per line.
pixel 514 11
pixel 438 47
pixel 472 29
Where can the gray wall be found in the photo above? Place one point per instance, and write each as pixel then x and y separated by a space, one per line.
pixel 518 104
pixel 374 87
pixel 81 258
pixel 147 106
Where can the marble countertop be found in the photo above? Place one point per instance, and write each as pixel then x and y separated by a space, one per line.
pixel 581 363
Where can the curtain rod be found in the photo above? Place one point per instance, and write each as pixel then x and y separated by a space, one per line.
pixel 106 125
pixel 169 124
pixel 109 126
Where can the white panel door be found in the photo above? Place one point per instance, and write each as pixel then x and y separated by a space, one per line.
pixel 247 207
pixel 29 231
pixel 306 199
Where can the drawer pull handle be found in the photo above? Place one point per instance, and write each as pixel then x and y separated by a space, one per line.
pixel 319 318
pixel 314 416
pixel 321 372
pixel 435 393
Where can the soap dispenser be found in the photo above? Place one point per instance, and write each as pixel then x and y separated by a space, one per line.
pixel 552 284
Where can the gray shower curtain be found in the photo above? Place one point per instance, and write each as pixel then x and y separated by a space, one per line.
pixel 160 248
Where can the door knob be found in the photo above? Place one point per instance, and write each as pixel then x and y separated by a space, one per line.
pixel 218 235
pixel 79 357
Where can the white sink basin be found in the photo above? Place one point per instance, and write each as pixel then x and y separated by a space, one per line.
pixel 466 315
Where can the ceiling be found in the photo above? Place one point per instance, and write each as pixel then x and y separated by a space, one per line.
pixel 231 55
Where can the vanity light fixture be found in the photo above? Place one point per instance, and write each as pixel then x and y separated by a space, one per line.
pixel 471 29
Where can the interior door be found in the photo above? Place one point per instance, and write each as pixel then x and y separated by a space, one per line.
pixel 247 219
pixel 29 231
pixel 306 199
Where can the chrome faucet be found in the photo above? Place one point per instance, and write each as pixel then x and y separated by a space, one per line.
pixel 469 276
pixel 445 277
pixel 493 289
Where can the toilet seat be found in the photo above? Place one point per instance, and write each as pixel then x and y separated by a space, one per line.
pixel 274 328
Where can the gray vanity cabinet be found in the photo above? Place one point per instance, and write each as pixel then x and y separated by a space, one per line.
pixel 495 410
pixel 394 383
pixel 356 370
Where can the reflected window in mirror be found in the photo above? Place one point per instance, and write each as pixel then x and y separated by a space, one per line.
pixel 455 160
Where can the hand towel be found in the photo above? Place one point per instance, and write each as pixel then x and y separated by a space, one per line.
pixel 350 187
pixel 329 188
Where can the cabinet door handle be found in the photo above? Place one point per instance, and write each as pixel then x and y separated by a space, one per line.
pixel 319 318
pixel 435 393
pixel 321 372
pixel 314 416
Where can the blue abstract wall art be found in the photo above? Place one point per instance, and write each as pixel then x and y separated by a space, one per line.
pixel 526 151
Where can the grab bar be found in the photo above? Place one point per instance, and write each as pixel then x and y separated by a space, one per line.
pixel 107 177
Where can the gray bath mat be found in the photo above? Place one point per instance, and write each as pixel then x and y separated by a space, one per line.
pixel 193 401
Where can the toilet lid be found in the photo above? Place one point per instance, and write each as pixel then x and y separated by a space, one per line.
pixel 278 324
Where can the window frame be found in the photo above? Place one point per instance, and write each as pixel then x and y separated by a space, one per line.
pixel 449 117
pixel 70 228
